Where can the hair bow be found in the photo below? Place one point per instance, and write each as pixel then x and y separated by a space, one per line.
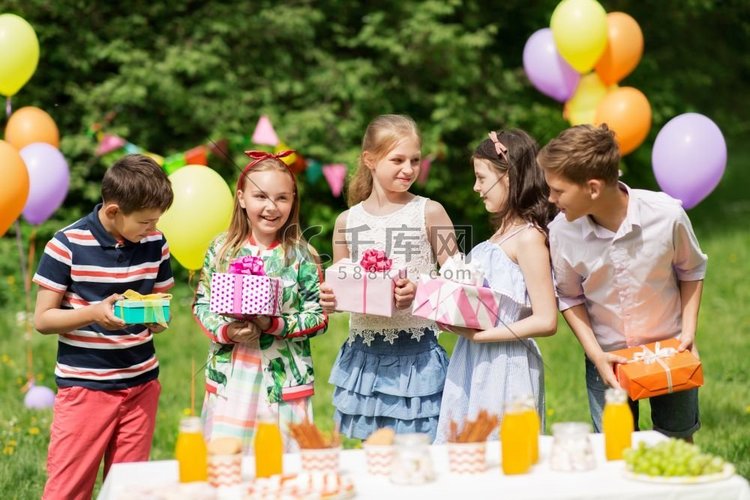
pixel 258 156
pixel 500 148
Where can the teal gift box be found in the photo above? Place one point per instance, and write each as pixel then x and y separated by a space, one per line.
pixel 144 309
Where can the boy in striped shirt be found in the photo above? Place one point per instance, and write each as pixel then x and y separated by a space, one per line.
pixel 106 371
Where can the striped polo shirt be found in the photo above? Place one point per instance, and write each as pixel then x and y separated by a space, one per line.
pixel 86 264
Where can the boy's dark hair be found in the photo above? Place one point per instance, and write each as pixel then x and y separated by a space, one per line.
pixel 582 153
pixel 137 182
pixel 527 190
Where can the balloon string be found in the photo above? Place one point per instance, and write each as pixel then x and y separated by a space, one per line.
pixel 8 108
pixel 192 386
pixel 26 265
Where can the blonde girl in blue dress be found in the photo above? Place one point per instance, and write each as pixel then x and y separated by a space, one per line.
pixel 390 372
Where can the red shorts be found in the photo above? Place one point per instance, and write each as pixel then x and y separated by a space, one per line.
pixel 90 425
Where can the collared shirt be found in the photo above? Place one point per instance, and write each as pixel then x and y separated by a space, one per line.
pixel 628 280
pixel 85 264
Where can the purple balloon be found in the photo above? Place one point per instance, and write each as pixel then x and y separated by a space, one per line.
pixel 689 158
pixel 49 178
pixel 39 397
pixel 546 69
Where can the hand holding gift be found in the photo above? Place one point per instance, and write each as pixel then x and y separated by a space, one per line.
pixel 367 287
pixel 458 297
pixel 658 368
pixel 245 291
pixel 135 308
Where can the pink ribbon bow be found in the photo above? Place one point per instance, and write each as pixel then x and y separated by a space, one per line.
pixel 249 264
pixel 375 260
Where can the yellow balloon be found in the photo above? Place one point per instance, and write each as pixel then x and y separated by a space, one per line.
pixel 20 53
pixel 201 210
pixel 579 28
pixel 581 108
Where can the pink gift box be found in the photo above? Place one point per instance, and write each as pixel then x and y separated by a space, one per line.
pixel 456 304
pixel 359 291
pixel 240 295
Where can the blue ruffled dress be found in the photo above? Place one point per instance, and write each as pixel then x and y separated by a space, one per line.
pixel 391 371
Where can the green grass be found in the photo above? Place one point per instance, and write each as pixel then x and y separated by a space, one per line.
pixel 723 339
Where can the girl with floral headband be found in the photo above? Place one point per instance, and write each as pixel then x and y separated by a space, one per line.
pixel 391 370
pixel 263 363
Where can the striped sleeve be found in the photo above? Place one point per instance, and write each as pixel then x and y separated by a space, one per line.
pixel 55 265
pixel 164 278
pixel 213 325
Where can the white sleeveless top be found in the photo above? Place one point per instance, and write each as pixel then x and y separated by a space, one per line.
pixel 403 236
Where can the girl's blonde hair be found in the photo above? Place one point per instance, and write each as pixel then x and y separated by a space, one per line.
pixel 239 230
pixel 381 136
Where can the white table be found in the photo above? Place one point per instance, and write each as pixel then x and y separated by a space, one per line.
pixel 605 482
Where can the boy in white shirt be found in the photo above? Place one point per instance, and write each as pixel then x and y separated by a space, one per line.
pixel 628 267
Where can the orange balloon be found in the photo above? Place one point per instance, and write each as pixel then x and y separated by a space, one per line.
pixel 624 48
pixel 14 189
pixel 29 125
pixel 627 112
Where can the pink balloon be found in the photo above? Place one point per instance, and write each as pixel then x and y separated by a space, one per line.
pixel 546 69
pixel 689 158
pixel 49 178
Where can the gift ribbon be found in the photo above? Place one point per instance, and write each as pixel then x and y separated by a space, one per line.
pixel 237 296
pixel 151 302
pixel 649 357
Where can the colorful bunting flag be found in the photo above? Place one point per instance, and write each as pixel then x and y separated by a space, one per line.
pixel 335 174
pixel 425 170
pixel 264 132
pixel 157 158
pixel 197 156
pixel 314 171
pixel 109 143
pixel 172 163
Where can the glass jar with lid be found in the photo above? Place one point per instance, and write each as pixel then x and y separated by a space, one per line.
pixel 412 463
pixel 571 447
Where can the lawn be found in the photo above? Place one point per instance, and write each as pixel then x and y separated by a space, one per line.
pixel 723 338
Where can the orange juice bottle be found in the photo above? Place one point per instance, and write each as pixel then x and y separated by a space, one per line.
pixel 190 451
pixel 617 423
pixel 534 425
pixel 269 447
pixel 514 440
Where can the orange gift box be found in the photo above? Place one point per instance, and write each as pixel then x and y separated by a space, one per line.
pixel 657 368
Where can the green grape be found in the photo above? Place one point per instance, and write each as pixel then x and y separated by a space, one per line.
pixel 672 457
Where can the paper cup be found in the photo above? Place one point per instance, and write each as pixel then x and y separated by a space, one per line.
pixel 379 458
pixel 225 470
pixel 320 459
pixel 467 458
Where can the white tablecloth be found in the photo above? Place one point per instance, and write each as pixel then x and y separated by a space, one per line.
pixel 605 482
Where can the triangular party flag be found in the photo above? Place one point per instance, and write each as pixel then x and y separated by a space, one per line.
pixel 157 158
pixel 219 148
pixel 314 171
pixel 335 175
pixel 131 148
pixel 264 132
pixel 425 170
pixel 174 162
pixel 289 160
pixel 197 156
pixel 109 143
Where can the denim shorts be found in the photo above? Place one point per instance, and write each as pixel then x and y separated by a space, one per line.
pixel 674 415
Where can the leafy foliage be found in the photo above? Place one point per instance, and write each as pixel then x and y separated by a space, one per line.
pixel 178 74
